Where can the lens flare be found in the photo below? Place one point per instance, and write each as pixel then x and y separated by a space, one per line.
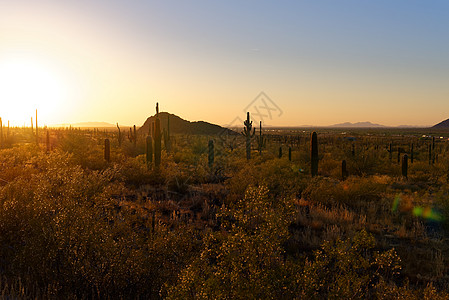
pixel 427 213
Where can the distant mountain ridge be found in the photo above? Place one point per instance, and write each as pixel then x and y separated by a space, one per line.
pixel 358 125
pixel 181 126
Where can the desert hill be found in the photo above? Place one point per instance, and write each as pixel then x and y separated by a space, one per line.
pixel 442 125
pixel 181 126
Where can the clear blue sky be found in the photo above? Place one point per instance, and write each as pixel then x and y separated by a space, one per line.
pixel 321 62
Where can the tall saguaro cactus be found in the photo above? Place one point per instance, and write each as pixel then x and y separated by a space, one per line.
pixel 344 171
pixel 411 153
pixel 248 134
pixel 314 154
pixel 119 136
pixel 390 151
pixel 149 151
pixel 404 165
pixel 261 140
pixel 135 136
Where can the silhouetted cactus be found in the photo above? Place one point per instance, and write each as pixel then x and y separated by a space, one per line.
pixel 290 153
pixel 344 171
pixel 260 140
pixel 411 153
pixel 314 154
pixel 353 150
pixel 107 150
pixel 248 134
pixel 404 165
pixel 119 136
pixel 134 135
pixel 430 154
pixel 280 152
pixel 211 155
pixel 390 151
pixel 399 154
pixel 149 150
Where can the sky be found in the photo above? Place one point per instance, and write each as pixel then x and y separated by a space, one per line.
pixel 315 62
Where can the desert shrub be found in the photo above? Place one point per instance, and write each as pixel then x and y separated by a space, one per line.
pixel 354 192
pixel 347 269
pixel 330 167
pixel 61 228
pixel 364 162
pixel 86 150
pixel 17 161
pixel 245 259
pixel 280 176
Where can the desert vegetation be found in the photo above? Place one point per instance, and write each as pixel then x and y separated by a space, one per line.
pixel 269 214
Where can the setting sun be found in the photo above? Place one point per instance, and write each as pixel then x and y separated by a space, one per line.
pixel 26 85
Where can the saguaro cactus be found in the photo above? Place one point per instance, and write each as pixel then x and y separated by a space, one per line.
pixel 280 152
pixel 314 154
pixel 248 134
pixel 119 136
pixel 404 165
pixel 157 137
pixel 390 151
pixel 107 150
pixel 411 153
pixel 261 140
pixel 134 135
pixel 344 171
pixel 211 156
pixel 149 150
pixel 430 154
pixel 290 153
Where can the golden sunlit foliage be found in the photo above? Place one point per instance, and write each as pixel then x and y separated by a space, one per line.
pixel 73 225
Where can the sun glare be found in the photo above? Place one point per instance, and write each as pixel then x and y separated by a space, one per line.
pixel 27 85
